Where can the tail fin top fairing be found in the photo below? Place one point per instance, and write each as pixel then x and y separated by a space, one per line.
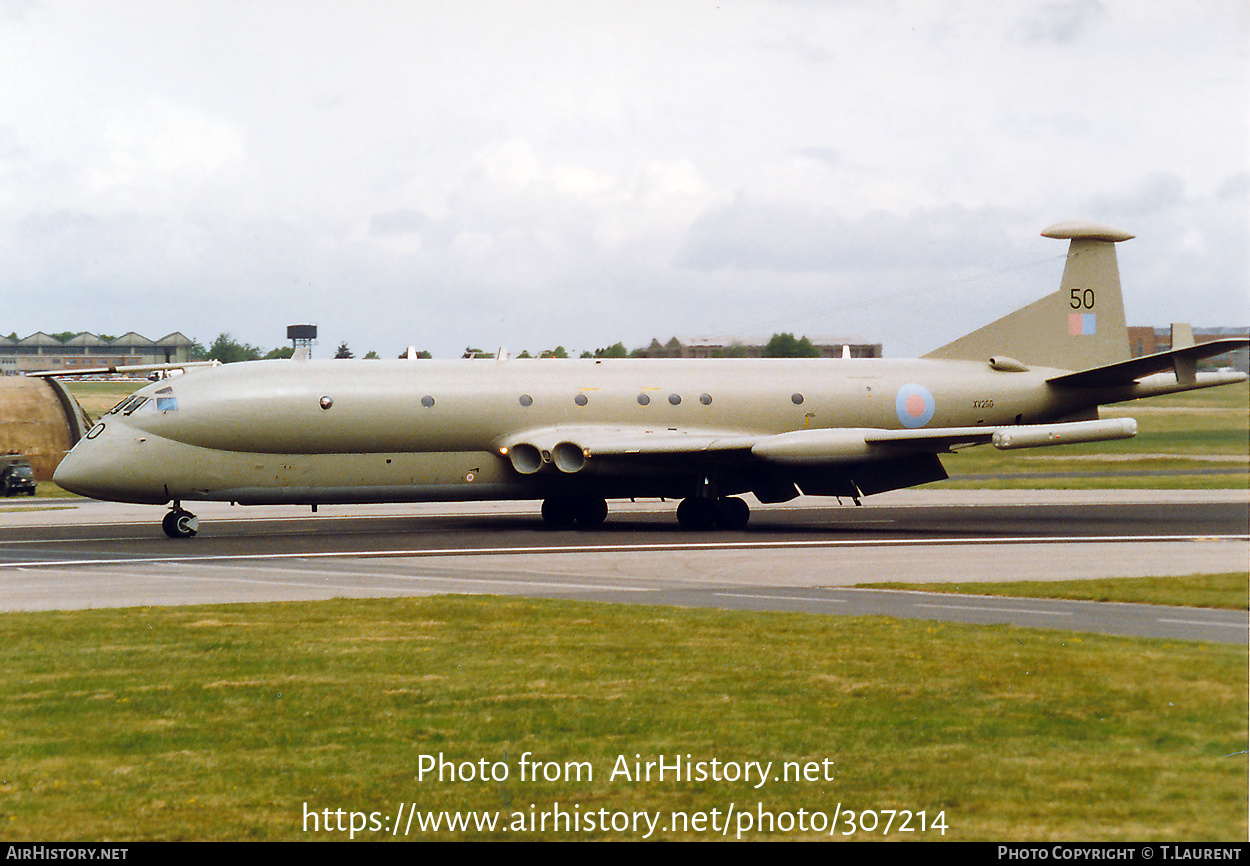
pixel 1078 327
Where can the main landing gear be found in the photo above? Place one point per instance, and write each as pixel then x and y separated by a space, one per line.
pixel 179 523
pixel 699 513
pixel 564 512
pixel 696 513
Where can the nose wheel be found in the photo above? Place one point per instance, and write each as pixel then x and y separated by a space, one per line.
pixel 180 524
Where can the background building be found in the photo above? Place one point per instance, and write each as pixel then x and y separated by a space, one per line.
pixel 42 351
pixel 1146 340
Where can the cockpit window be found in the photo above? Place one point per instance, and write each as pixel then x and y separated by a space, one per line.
pixel 128 405
pixel 136 401
pixel 165 400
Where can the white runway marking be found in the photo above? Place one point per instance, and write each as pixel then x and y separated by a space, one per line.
pixel 630 548
pixel 751 569
pixel 781 597
pixel 995 609
pixel 1206 622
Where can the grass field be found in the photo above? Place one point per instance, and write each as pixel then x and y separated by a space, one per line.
pixel 227 722
pixel 96 398
pixel 1180 433
pixel 1229 591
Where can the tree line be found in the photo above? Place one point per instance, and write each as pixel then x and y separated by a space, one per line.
pixel 228 350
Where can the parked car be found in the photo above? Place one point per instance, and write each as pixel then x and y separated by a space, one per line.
pixel 16 476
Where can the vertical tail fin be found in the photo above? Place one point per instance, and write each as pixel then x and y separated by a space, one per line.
pixel 1080 326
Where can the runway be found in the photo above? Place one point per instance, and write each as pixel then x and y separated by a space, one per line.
pixel 801 556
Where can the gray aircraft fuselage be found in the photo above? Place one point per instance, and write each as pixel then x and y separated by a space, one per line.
pixel 361 431
pixel 577 433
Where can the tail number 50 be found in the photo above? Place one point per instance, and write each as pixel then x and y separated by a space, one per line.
pixel 1082 299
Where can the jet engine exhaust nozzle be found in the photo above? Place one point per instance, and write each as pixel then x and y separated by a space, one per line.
pixel 568 457
pixel 526 458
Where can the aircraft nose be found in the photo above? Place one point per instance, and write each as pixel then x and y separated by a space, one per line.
pixel 90 470
pixel 117 466
pixel 74 473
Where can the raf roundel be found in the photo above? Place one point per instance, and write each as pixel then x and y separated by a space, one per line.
pixel 914 405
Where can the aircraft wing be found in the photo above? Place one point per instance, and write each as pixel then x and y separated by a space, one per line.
pixel 122 368
pixel 570 448
pixel 853 444
pixel 616 441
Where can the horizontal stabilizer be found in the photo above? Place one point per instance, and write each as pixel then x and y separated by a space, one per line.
pixel 1126 372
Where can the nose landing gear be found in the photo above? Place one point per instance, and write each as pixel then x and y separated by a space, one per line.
pixel 179 523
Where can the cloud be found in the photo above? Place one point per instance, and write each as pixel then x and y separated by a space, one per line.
pixel 16 10
pixel 830 157
pixel 398 222
pixel 554 173
pixel 748 236
pixel 800 47
pixel 1188 261
pixel 158 150
pixel 1060 22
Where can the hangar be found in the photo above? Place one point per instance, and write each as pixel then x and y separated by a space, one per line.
pixel 40 352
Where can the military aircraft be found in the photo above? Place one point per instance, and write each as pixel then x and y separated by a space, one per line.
pixel 576 433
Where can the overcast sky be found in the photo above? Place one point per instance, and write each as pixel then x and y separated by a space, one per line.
pixel 525 174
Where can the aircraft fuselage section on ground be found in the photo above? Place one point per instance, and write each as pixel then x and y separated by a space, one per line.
pixel 323 407
pixel 364 431
pixel 576 433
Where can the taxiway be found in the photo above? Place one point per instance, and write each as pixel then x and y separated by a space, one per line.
pixel 804 556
